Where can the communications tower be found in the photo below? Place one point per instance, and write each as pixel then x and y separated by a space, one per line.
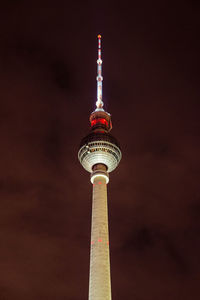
pixel 99 154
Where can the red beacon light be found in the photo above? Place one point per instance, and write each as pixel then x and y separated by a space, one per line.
pixel 99 121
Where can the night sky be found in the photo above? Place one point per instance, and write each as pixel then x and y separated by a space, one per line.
pixel 48 53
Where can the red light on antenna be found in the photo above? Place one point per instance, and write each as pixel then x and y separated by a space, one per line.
pixel 99 36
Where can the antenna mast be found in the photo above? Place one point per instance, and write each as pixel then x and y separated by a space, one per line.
pixel 99 103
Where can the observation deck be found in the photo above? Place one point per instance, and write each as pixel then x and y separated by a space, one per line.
pixel 99 148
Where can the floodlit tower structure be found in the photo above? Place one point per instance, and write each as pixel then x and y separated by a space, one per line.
pixel 99 154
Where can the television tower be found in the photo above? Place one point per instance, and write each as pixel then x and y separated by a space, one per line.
pixel 99 154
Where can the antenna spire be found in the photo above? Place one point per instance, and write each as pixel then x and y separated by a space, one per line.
pixel 99 103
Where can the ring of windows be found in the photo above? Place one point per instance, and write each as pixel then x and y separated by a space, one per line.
pixel 99 149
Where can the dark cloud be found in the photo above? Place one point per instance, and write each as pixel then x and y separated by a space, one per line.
pixel 61 75
pixel 176 256
pixel 53 142
pixel 141 240
pixel 146 240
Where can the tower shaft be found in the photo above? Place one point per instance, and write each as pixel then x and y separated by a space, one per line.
pixel 99 283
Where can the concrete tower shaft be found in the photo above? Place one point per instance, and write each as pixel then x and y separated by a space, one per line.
pixel 99 281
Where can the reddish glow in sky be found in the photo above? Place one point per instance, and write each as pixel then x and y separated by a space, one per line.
pixel 151 69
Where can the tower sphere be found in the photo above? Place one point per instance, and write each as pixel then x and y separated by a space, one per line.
pixel 99 148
